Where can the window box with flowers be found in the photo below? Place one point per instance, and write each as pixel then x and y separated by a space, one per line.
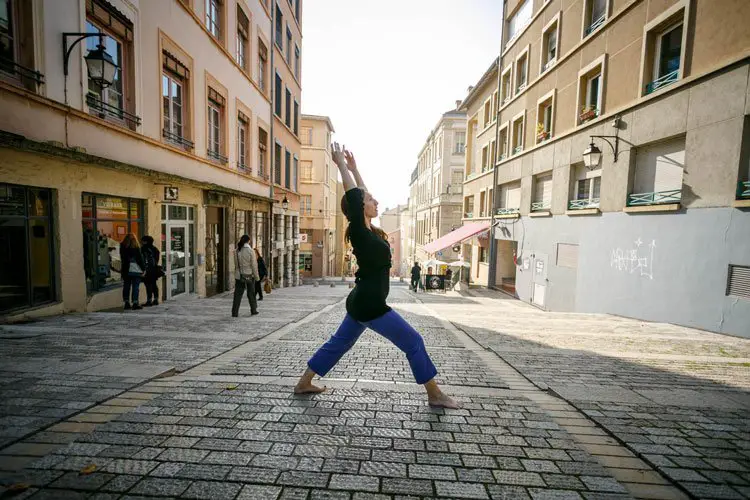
pixel 588 113
pixel 541 134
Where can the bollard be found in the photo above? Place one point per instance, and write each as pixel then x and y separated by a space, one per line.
pixel 333 285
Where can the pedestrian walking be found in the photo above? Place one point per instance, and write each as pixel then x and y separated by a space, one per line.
pixel 262 273
pixel 245 276
pixel 154 271
pixel 448 282
pixel 132 268
pixel 366 305
pixel 416 273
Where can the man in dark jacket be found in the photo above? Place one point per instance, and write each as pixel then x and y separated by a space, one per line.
pixel 416 274
pixel 153 270
pixel 262 272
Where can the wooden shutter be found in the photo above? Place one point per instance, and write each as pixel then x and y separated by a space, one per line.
pixel 738 281
pixel 659 167
pixel 543 191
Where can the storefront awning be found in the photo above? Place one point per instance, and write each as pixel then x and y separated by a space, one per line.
pixel 456 236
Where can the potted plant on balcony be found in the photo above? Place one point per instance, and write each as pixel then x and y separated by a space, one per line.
pixel 541 134
pixel 587 113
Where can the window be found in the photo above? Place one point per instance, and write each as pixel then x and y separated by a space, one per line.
pixel 590 90
pixel 594 14
pixel 174 81
pixel 567 255
pixel 288 105
pixel 261 223
pixel 277 164
pixel 505 84
pixel 306 136
pixel 307 170
pixel 522 71
pixel 287 169
pixel 243 135
pixel 306 204
pixel 16 44
pixel 262 152
pixel 503 138
pixel 588 189
pixel 213 18
pixel 545 117
pixel 28 256
pixel 483 255
pixel 288 46
pixel 295 169
pixel 459 138
pixel 542 192
pixel 482 204
pixel 549 44
pixel 495 105
pixel 295 127
pixel 277 96
pixel 658 173
pixel 510 197
pixel 520 19
pixel 243 224
pixel 115 102
pixel 262 65
pixel 296 9
pixel 485 157
pixel 296 61
pixel 106 220
pixel 469 207
pixel 487 116
pixel 664 48
pixel 518 131
pixel 279 28
pixel 216 106
pixel 586 186
pixel 243 39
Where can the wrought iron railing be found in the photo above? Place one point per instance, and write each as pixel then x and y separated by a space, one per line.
pixel 107 111
pixel 521 87
pixel 595 24
pixel 177 139
pixel 507 211
pixel 743 190
pixel 215 155
pixel 549 64
pixel 656 198
pixel 517 149
pixel 468 215
pixel 583 204
pixel 537 206
pixel 665 80
pixel 20 72
pixel 243 168
pixel 503 157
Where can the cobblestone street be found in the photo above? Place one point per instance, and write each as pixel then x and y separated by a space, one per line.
pixel 183 401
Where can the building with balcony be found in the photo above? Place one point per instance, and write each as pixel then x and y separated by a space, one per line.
pixel 132 117
pixel 319 202
pixel 435 191
pixel 623 183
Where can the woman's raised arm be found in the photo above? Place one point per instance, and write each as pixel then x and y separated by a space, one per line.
pixel 338 157
pixel 352 164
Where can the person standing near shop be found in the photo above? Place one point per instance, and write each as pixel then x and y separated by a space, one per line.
pixel 262 273
pixel 153 270
pixel 416 273
pixel 132 269
pixel 245 276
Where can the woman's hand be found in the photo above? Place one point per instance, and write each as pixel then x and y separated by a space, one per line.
pixel 338 155
pixel 351 163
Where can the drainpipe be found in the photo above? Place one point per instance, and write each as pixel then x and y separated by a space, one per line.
pixel 492 271
pixel 272 152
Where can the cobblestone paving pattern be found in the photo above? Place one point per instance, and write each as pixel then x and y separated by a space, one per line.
pixel 204 441
pixel 320 333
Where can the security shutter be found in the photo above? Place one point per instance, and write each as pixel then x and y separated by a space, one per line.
pixel 659 167
pixel 543 190
pixel 567 255
pixel 738 281
pixel 510 194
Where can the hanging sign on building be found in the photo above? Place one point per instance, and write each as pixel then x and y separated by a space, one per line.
pixel 171 193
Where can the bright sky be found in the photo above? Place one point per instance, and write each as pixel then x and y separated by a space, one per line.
pixel 385 71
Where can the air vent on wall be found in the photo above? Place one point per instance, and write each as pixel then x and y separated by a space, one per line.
pixel 738 281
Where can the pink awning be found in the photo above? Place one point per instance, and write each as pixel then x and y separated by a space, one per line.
pixel 456 236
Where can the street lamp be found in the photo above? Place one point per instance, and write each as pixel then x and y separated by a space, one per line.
pixel 102 69
pixel 285 203
pixel 592 156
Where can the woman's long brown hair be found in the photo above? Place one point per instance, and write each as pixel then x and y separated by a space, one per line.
pixel 374 229
pixel 130 241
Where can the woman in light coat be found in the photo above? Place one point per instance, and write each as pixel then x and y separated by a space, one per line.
pixel 245 277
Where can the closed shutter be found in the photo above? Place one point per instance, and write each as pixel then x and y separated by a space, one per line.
pixel 660 167
pixel 543 190
pixel 513 196
pixel 567 255
pixel 738 281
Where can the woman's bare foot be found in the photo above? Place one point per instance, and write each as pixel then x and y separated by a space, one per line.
pixel 308 389
pixel 443 401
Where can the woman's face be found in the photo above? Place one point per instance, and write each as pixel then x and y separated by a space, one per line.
pixel 371 206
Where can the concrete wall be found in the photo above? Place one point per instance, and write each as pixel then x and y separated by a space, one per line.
pixel 656 267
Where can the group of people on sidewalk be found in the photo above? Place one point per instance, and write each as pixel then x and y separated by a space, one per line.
pixel 416 278
pixel 250 275
pixel 139 263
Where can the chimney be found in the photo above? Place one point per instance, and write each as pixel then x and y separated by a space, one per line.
pixel 458 104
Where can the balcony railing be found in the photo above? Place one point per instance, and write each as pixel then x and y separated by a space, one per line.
pixel 507 211
pixel 21 72
pixel 108 112
pixel 538 206
pixel 521 86
pixel 243 168
pixel 216 156
pixel 743 190
pixel 595 24
pixel 177 139
pixel 549 64
pixel 656 198
pixel 665 80
pixel 503 157
pixel 468 215
pixel 517 149
pixel 583 204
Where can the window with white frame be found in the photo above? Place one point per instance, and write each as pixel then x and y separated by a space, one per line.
pixel 485 157
pixel 518 131
pixel 595 12
pixel 306 204
pixel 483 204
pixel 510 196
pixel 545 117
pixel 495 105
pixel 487 112
pixel 664 48
pixel 469 207
pixel 174 80
pixel 542 192
pixel 459 142
pixel 262 152
pixel 243 141
pixel 215 109
pixel 506 84
pixel 213 18
pixel 522 71
pixel 591 90
pixel 262 65
pixel 503 139
pixel 659 172
pixel 493 153
pixel 520 19
pixel 243 40
pixel 549 43
pixel 586 185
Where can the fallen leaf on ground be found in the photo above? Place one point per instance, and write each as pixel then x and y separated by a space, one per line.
pixel 88 469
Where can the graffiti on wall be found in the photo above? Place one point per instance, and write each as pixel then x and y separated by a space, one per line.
pixel 638 260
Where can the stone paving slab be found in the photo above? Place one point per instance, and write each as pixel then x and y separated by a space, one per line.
pixel 319 333
pixel 262 440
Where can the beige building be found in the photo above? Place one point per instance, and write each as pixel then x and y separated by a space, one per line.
pixel 176 146
pixel 436 185
pixel 394 221
pixel 625 167
pixel 318 202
